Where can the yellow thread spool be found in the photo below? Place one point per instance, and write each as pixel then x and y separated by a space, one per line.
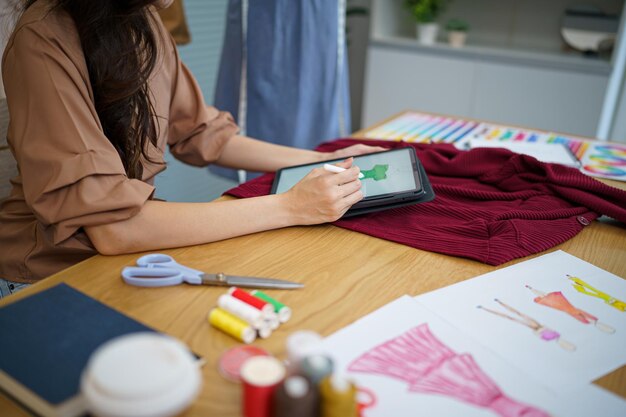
pixel 338 397
pixel 232 325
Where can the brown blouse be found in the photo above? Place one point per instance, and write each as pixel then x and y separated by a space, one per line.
pixel 70 176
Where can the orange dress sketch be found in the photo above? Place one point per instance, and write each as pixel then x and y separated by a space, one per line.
pixel 557 301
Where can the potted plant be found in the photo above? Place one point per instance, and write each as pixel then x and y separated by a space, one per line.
pixel 457 32
pixel 425 13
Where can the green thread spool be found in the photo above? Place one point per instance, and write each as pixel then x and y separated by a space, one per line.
pixel 284 312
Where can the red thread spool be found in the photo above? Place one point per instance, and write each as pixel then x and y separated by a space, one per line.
pixel 255 302
pixel 260 376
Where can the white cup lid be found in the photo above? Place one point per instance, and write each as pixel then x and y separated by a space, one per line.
pixel 140 375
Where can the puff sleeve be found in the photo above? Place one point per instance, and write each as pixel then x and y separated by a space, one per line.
pixel 197 132
pixel 71 174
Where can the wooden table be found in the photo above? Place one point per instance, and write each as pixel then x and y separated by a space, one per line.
pixel 347 275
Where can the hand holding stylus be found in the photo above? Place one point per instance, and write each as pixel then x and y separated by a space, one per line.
pixel 337 169
pixel 323 196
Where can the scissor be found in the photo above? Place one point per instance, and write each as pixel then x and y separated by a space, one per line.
pixel 159 270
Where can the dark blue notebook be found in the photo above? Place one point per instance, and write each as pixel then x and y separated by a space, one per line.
pixel 46 341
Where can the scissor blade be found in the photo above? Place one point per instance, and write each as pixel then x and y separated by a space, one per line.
pixel 254 282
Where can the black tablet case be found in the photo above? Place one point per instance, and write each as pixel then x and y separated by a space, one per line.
pixel 425 197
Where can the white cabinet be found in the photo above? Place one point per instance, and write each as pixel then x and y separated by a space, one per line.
pixel 549 99
pixel 512 80
pixel 399 80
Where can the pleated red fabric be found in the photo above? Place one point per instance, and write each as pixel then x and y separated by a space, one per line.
pixel 491 205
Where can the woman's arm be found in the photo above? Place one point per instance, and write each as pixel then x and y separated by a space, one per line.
pixel 242 152
pixel 318 198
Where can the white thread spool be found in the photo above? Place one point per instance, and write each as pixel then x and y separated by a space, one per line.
pixel 284 314
pixel 272 321
pixel 241 309
pixel 299 345
pixel 264 331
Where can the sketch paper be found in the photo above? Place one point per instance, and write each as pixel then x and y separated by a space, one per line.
pixel 417 364
pixel 544 152
pixel 597 159
pixel 557 318
pixel 605 160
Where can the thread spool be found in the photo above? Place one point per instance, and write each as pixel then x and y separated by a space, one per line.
pixel 229 365
pixel 260 376
pixel 272 321
pixel 338 397
pixel 295 397
pixel 316 367
pixel 299 345
pixel 232 325
pixel 265 331
pixel 244 311
pixel 284 312
pixel 255 302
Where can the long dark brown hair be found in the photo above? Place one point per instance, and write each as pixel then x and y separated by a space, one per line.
pixel 120 48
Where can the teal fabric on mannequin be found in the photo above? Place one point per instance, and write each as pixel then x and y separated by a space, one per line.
pixel 284 73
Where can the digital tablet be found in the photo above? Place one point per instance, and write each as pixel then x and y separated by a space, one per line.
pixel 390 179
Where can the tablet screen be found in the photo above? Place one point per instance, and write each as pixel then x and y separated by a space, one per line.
pixel 389 172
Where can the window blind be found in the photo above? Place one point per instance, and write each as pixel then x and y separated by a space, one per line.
pixel 207 21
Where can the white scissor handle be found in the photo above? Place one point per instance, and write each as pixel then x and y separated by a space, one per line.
pixel 160 260
pixel 151 277
pixel 156 260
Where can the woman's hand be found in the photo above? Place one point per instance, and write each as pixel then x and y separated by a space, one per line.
pixel 353 150
pixel 324 196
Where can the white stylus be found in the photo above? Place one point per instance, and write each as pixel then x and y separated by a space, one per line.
pixel 337 170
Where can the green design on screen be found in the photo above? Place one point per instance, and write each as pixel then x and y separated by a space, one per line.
pixel 377 173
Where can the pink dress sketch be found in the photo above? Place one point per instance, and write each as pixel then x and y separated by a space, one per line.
pixel 430 367
pixel 543 332
pixel 557 301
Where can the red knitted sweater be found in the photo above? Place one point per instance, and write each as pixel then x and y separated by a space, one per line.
pixel 491 205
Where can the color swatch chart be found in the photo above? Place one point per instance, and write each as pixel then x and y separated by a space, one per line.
pixel 598 159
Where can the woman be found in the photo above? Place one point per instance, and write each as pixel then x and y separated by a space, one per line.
pixel 95 92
